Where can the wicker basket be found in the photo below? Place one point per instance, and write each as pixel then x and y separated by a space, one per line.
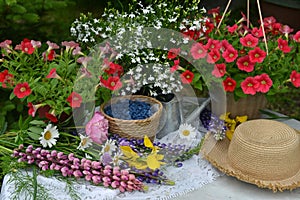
pixel 134 128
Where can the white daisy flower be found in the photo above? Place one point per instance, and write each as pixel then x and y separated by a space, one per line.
pixel 186 131
pixel 84 143
pixel 117 159
pixel 49 136
pixel 109 147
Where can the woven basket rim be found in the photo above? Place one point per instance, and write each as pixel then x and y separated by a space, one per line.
pixel 132 120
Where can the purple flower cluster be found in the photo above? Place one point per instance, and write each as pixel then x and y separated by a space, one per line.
pixel 69 165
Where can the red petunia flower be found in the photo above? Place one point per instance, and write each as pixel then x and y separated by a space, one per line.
pixel 6 77
pixel 26 46
pixel 52 73
pixel 233 28
pixel 173 53
pixel 257 55
pixel 283 45
pixel 114 69
pixel 33 108
pixel 245 64
pixel 198 51
pixel 219 70
pixel 296 37
pixel 213 56
pixel 209 27
pixel 230 54
pixel 22 90
pixel 75 100
pixel 250 85
pixel 225 45
pixel 249 41
pixel 187 77
pixel 229 84
pixel 295 78
pixel 257 32
pixel 175 66
pixel 51 117
pixel 265 83
pixel 49 55
pixel 193 35
pixel 112 83
pixel 212 44
pixel 214 11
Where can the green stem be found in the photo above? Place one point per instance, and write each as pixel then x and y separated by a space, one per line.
pixel 9 151
pixel 34 183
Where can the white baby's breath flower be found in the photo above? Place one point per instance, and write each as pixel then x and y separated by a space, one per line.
pixel 84 143
pixel 49 135
pixel 186 131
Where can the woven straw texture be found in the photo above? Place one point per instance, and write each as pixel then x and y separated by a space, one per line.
pixel 261 152
pixel 134 128
pixel 249 105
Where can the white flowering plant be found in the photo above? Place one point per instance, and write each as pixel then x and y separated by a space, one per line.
pixel 139 51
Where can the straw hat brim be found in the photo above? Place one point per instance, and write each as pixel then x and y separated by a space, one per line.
pixel 216 153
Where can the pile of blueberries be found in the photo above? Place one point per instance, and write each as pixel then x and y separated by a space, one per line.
pixel 129 110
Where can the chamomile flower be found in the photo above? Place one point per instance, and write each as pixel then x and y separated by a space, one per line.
pixel 84 143
pixel 109 147
pixel 186 131
pixel 49 135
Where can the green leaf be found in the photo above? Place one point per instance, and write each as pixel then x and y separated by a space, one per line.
pixel 11 96
pixel 37 122
pixel 31 98
pixel 34 136
pixel 31 17
pixel 35 129
pixel 18 9
pixel 10 2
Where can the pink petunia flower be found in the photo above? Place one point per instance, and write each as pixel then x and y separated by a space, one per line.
pixel 257 32
pixel 295 78
pixel 233 28
pixel 249 41
pixel 187 77
pixel 74 99
pixel 213 56
pixel 296 37
pixel 230 54
pixel 22 90
pixel 173 53
pixel 250 85
pixel 265 83
pixel 198 51
pixel 257 55
pixel 283 45
pixel 229 84
pixel 245 64
pixel 219 70
pixel 97 128
pixel 212 44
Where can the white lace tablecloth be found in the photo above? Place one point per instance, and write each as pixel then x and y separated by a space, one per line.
pixel 194 173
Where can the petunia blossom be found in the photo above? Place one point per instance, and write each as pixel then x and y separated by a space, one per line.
pixel 283 45
pixel 233 28
pixel 257 55
pixel 74 99
pixel 173 53
pixel 250 85
pixel 229 84
pixel 219 70
pixel 245 64
pixel 187 77
pixel 213 56
pixel 112 83
pixel 26 46
pixel 114 69
pixel 22 90
pixel 296 37
pixel 97 128
pixel 257 32
pixel 295 78
pixel 212 44
pixel 249 41
pixel 6 77
pixel 230 54
pixel 265 83
pixel 175 66
pixel 198 51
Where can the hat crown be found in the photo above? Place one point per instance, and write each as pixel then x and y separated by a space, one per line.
pixel 265 149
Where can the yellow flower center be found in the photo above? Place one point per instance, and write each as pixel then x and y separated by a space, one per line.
pixel 200 51
pixel 47 135
pixel 250 85
pixel 263 82
pixel 256 55
pixel 22 89
pixel 245 63
pixel 186 132
pixel 249 43
pixel 107 148
pixel 231 55
pixel 188 76
pixel 83 141
pixel 112 83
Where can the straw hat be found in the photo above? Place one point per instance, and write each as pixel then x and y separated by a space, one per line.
pixel 262 152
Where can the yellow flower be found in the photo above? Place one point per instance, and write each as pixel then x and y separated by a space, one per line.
pixel 154 160
pixel 231 124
